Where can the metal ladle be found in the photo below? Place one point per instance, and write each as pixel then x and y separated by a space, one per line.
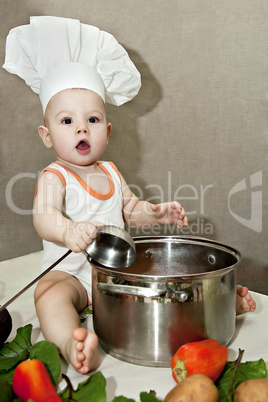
pixel 113 247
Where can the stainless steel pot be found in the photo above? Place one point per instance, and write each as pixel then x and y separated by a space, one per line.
pixel 180 289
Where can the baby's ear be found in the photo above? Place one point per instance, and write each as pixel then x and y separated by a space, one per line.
pixel 44 134
pixel 109 129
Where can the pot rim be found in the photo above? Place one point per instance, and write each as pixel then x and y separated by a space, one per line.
pixel 183 239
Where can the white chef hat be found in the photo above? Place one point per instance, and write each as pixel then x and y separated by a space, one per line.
pixel 52 54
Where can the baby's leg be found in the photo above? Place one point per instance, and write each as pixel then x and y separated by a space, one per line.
pixel 58 298
pixel 244 301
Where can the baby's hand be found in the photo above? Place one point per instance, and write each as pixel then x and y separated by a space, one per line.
pixel 170 212
pixel 78 235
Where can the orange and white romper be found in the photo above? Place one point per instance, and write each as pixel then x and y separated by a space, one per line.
pixel 82 203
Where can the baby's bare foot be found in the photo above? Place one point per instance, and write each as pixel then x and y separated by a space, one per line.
pixel 244 301
pixel 82 350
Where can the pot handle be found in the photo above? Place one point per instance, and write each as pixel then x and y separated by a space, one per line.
pixel 130 290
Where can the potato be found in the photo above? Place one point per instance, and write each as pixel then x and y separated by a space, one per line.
pixel 252 391
pixel 196 388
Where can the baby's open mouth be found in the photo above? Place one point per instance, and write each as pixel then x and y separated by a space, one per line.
pixel 83 145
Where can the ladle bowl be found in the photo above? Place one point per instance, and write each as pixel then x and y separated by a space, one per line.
pixel 112 248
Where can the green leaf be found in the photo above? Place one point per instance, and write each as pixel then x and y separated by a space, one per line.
pixel 85 314
pixel 88 311
pixel 245 371
pixel 6 392
pixel 48 354
pixel 17 350
pixel 149 397
pixel 122 399
pixel 7 376
pixel 93 389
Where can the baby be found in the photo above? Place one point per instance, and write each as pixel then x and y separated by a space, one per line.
pixel 77 129
pixel 78 193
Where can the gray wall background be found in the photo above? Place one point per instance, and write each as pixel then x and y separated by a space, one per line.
pixel 197 131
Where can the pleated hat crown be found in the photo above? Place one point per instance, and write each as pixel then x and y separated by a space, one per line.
pixel 53 53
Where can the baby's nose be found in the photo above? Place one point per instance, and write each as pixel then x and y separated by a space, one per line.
pixel 82 129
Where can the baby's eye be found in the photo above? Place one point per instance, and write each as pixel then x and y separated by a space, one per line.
pixel 67 120
pixel 93 120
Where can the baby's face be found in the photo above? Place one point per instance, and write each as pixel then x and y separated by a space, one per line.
pixel 77 126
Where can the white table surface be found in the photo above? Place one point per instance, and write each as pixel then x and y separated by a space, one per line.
pixel 123 378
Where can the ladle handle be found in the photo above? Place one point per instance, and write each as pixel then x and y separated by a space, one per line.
pixel 34 281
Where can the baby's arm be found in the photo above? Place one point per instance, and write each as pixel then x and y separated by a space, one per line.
pixel 137 213
pixel 49 221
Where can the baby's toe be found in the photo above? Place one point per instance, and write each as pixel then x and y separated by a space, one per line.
pixel 77 365
pixel 79 346
pixel 80 357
